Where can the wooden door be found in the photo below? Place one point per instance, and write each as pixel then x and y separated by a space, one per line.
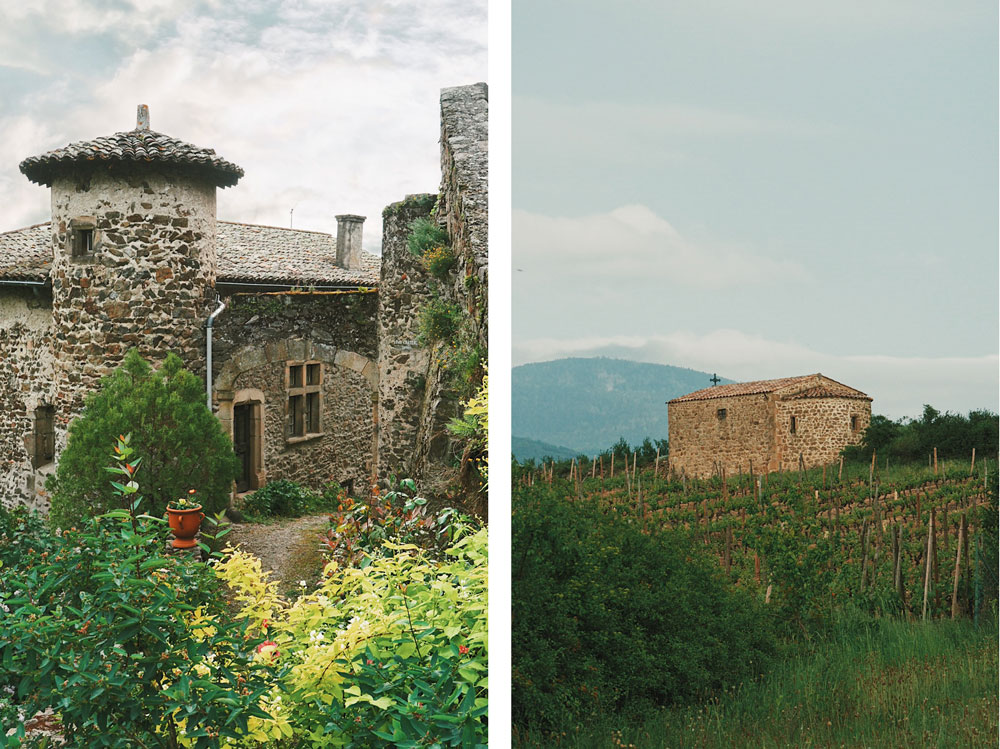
pixel 242 443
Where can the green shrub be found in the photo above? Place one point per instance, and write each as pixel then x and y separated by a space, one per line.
pixel 359 528
pixel 130 646
pixel 182 444
pixel 439 321
pixel 425 234
pixel 391 654
pixel 439 261
pixel 608 618
pixel 283 498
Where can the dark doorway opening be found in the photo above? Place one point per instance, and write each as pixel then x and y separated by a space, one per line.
pixel 243 444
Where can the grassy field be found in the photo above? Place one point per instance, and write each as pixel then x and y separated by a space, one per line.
pixel 871 683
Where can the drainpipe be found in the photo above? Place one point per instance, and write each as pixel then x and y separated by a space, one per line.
pixel 208 354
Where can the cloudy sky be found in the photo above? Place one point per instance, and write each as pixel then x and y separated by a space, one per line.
pixel 329 107
pixel 762 189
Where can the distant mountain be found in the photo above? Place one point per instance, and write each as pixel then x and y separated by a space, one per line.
pixel 525 449
pixel 588 404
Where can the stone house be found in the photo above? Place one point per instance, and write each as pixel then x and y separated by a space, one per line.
pixel 771 424
pixel 287 327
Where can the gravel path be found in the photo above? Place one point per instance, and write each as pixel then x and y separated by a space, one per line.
pixel 289 549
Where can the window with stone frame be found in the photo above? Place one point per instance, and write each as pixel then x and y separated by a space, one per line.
pixel 303 383
pixel 82 236
pixel 792 426
pixel 854 423
pixel 45 436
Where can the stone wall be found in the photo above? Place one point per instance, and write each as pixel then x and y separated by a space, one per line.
pixel 403 365
pixel 416 401
pixel 258 334
pixel 822 429
pixel 147 283
pixel 757 428
pixel 27 381
pixel 702 440
pixel 464 204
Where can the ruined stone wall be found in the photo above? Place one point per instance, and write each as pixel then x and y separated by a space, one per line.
pixel 26 382
pixel 464 205
pixel 404 366
pixel 822 429
pixel 701 440
pixel 253 340
pixel 416 397
pixel 147 283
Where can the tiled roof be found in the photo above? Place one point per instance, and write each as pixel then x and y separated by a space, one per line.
pixel 825 387
pixel 258 254
pixel 829 391
pixel 26 254
pixel 132 146
pixel 246 253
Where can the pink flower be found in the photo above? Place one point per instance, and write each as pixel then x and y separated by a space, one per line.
pixel 268 647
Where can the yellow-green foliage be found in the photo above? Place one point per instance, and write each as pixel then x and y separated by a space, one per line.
pixel 474 425
pixel 392 653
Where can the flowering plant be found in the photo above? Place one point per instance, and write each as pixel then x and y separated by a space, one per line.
pixel 185 503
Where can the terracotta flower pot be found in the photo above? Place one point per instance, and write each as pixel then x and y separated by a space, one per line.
pixel 185 524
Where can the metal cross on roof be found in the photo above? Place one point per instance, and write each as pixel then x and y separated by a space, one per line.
pixel 714 379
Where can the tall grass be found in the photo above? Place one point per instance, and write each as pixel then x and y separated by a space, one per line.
pixel 870 683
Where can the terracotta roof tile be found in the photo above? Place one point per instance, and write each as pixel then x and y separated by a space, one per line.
pixel 246 253
pixel 258 254
pixel 741 388
pixel 829 391
pixel 131 146
pixel 26 254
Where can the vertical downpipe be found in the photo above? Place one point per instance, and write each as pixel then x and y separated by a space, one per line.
pixel 208 354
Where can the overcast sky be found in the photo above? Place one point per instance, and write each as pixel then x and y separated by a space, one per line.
pixel 329 107
pixel 762 189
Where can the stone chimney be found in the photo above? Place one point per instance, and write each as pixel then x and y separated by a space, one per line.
pixel 142 118
pixel 349 241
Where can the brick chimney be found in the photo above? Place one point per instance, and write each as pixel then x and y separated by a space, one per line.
pixel 349 241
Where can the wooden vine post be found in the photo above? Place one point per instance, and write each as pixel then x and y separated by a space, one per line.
pixel 928 563
pixel 958 562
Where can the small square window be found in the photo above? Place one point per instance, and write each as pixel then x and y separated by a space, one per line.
pixel 83 242
pixel 295 376
pixel 720 414
pixel 82 236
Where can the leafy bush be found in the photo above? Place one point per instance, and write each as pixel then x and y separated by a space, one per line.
pixel 281 497
pixel 439 321
pixel 360 528
pixel 181 442
pixel 607 618
pixel 425 234
pixel 391 654
pixel 131 647
pixel 953 435
pixel 439 261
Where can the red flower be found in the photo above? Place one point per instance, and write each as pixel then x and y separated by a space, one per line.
pixel 463 649
pixel 269 644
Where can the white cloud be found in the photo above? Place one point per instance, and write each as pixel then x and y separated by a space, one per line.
pixel 632 244
pixel 899 385
pixel 329 107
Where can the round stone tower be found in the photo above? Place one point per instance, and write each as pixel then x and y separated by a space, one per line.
pixel 134 260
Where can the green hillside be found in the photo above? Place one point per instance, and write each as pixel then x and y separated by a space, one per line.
pixel 527 449
pixel 588 404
